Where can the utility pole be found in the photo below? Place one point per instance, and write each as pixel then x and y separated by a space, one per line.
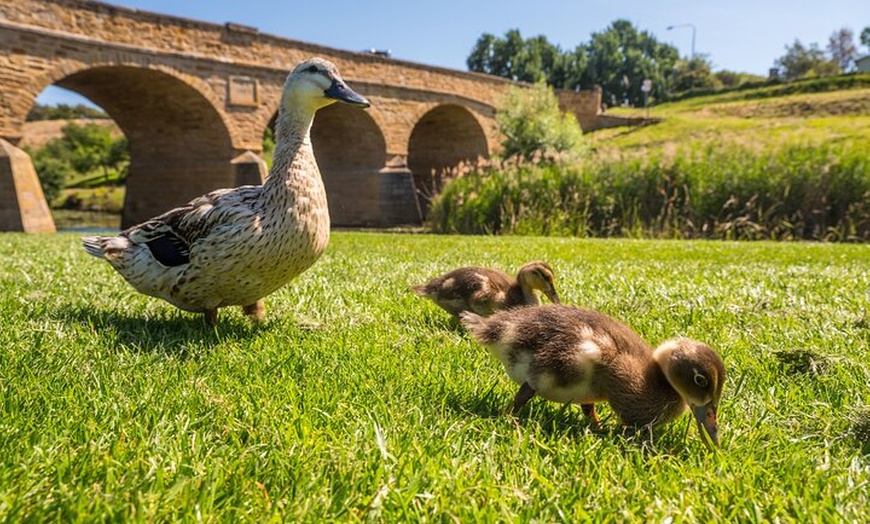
pixel 671 27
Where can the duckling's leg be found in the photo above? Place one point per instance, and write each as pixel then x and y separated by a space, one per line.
pixel 589 411
pixel 211 316
pixel 523 395
pixel 256 311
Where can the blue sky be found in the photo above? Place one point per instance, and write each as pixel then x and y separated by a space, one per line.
pixel 739 35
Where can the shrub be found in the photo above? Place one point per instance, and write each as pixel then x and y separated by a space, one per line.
pixel 534 127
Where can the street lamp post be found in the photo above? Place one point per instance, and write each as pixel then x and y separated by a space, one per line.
pixel 670 27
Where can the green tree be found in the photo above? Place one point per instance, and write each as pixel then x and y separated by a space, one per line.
pixel 841 46
pixel 570 72
pixel 80 151
pixel 64 112
pixel 534 127
pixel 531 60
pixel 865 38
pixel 695 73
pixel 620 58
pixel 800 61
pixel 53 174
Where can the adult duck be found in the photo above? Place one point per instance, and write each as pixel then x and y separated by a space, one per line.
pixel 569 354
pixel 235 246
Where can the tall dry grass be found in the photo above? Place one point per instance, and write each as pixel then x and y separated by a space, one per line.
pixel 791 193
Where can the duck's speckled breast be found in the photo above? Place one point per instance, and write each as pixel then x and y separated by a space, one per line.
pixel 293 234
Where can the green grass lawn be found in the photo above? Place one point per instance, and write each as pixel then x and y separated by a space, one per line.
pixel 359 401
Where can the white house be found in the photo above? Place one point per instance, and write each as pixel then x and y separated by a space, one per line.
pixel 862 65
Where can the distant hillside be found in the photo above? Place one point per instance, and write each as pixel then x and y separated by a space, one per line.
pixel 758 119
pixel 38 133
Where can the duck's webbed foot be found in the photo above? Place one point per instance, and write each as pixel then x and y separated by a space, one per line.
pixel 211 316
pixel 256 311
pixel 589 412
pixel 522 397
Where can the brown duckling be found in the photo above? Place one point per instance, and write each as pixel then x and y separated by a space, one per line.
pixel 484 291
pixel 573 355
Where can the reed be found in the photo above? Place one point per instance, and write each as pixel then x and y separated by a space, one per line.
pixel 789 193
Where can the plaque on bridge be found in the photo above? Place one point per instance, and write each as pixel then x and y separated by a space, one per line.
pixel 244 91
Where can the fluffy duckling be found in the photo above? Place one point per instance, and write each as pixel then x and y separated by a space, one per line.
pixel 484 291
pixel 573 355
pixel 235 246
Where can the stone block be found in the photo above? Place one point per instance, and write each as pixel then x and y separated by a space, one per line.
pixel 22 202
pixel 250 169
pixel 398 198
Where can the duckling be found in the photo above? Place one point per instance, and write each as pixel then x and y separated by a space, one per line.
pixel 485 291
pixel 235 246
pixel 569 354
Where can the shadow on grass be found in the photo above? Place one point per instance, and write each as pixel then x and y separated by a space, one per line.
pixel 860 428
pixel 435 319
pixel 555 422
pixel 180 334
pixel 552 420
pixel 488 405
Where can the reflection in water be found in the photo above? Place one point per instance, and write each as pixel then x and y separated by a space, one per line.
pixel 73 220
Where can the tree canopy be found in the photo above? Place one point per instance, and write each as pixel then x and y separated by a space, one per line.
pixel 617 59
pixel 800 61
pixel 842 48
pixel 88 150
pixel 64 112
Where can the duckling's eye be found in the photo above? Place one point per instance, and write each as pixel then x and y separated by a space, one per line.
pixel 700 380
pixel 312 69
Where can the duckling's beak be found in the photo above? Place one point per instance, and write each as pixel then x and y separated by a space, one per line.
pixel 553 296
pixel 705 416
pixel 341 92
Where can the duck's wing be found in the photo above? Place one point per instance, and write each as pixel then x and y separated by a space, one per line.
pixel 488 290
pixel 169 237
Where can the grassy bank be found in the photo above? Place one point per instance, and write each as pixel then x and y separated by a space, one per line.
pixel 359 401
pixel 761 119
pixel 754 164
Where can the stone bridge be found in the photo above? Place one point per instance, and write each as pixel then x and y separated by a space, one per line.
pixel 194 100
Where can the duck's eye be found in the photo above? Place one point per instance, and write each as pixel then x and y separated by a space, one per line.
pixel 700 380
pixel 312 69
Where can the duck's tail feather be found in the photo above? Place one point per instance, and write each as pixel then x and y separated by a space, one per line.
pixel 94 246
pixel 101 246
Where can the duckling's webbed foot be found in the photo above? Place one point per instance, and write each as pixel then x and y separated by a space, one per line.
pixel 589 412
pixel 522 397
pixel 256 311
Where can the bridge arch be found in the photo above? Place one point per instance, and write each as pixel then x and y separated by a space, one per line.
pixel 350 150
pixel 445 137
pixel 179 142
